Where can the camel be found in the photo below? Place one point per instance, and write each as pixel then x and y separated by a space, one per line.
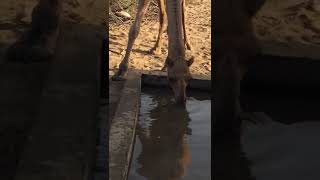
pixel 235 47
pixel 39 43
pixel 176 63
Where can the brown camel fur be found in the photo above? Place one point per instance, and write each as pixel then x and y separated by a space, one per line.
pixel 177 64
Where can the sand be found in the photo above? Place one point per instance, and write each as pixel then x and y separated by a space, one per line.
pixel 289 21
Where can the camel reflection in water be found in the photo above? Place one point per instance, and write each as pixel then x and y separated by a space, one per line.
pixel 164 151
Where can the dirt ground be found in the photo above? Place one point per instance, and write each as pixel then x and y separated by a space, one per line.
pixel 198 29
pixel 289 21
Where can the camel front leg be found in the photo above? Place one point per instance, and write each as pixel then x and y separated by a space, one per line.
pixel 184 15
pixel 39 43
pixel 133 34
pixel 163 20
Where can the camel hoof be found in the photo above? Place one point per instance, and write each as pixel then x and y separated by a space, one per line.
pixel 117 78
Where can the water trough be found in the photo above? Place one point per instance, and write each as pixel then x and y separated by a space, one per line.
pixel 123 124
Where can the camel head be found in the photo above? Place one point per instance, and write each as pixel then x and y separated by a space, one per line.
pixel 179 76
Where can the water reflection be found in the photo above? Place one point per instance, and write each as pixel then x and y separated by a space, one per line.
pixel 164 153
pixel 164 142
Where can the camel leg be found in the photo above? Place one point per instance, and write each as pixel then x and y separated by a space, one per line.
pixel 39 43
pixel 133 34
pixel 163 19
pixel 184 14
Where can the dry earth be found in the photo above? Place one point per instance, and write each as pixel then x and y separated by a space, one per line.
pixel 289 21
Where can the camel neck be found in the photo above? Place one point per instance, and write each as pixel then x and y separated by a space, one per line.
pixel 175 28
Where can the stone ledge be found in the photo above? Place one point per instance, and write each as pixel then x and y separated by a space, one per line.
pixel 122 129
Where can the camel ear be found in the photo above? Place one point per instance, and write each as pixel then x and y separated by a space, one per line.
pixel 190 61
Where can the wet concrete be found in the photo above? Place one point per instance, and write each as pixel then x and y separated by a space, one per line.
pixel 172 142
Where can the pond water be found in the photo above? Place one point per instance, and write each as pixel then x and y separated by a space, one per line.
pixel 172 143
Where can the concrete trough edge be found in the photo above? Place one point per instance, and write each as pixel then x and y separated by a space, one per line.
pixel 159 79
pixel 122 128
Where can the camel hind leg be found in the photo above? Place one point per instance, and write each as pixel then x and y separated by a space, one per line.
pixel 133 34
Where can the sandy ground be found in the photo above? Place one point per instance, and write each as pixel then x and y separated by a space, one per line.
pixel 198 29
pixel 289 21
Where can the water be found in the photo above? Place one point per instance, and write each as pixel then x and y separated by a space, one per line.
pixel 172 143
pixel 281 144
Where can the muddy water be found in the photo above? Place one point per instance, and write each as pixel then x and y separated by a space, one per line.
pixel 172 143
